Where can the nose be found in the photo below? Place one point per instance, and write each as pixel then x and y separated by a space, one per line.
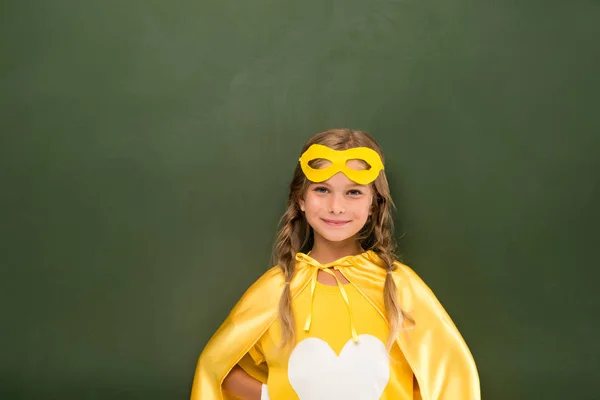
pixel 336 205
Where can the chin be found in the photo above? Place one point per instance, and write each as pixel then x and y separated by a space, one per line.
pixel 335 236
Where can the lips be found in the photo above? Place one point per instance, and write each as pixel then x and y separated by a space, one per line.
pixel 333 222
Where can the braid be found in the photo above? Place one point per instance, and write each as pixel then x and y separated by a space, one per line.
pixel 284 253
pixel 384 245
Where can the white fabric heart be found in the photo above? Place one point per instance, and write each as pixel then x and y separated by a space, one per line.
pixel 264 392
pixel 360 372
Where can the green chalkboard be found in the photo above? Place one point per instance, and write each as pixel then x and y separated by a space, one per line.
pixel 146 148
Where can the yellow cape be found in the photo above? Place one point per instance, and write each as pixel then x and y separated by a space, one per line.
pixel 440 359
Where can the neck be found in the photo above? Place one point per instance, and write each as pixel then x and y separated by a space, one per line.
pixel 325 251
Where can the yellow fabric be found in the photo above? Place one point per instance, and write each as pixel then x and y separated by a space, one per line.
pixel 325 268
pixel 338 159
pixel 330 323
pixel 436 352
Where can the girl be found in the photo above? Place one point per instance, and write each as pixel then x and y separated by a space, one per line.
pixel 338 317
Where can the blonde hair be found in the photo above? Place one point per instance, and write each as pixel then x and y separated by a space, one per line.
pixel 295 234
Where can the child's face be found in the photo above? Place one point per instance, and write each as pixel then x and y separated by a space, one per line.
pixel 338 208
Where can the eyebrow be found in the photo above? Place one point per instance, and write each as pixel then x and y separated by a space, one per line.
pixel 353 184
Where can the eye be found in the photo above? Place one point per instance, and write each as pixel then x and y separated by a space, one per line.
pixel 321 189
pixel 355 192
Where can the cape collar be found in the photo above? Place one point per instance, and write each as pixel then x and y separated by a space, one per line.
pixel 364 259
pixel 368 258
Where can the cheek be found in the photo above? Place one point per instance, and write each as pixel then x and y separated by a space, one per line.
pixel 363 209
pixel 312 203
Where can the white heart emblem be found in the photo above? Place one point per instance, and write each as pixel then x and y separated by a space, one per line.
pixel 360 372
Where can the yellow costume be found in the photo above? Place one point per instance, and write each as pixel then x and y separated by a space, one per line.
pixel 329 361
pixel 433 348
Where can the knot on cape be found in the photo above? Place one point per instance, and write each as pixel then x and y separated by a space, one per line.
pixel 327 268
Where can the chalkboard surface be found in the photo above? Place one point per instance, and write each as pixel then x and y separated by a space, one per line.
pixel 146 148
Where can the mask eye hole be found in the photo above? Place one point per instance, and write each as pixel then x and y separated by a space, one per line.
pixel 358 165
pixel 319 163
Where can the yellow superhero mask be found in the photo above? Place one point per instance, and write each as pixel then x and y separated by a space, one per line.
pixel 339 159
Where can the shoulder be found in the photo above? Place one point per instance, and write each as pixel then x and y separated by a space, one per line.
pixel 272 276
pixel 405 272
pixel 265 290
pixel 416 296
pixel 404 276
pixel 410 284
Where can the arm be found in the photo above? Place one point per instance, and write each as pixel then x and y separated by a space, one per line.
pixel 241 330
pixel 241 385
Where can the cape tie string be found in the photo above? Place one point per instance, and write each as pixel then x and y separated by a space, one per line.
pixel 325 268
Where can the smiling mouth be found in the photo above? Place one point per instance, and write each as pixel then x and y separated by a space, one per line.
pixel 334 223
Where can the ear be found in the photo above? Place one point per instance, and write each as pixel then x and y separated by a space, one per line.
pixel 301 204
